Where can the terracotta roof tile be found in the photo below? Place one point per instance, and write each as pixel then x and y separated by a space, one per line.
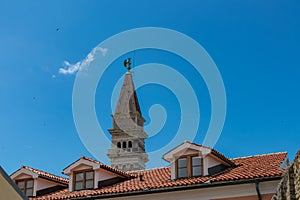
pixel 247 168
pixel 109 168
pixel 47 175
pixel 213 151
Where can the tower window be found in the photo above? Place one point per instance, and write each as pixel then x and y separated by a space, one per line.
pixel 119 144
pixel 26 186
pixel 124 145
pixel 129 144
pixel 83 180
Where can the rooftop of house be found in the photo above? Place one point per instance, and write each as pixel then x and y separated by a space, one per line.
pixel 259 167
pixel 46 175
pixel 103 166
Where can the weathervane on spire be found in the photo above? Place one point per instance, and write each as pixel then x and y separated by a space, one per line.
pixel 127 64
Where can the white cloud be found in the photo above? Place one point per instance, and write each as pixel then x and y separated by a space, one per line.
pixel 73 68
pixel 103 51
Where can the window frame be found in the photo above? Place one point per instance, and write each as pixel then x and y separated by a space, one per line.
pixel 84 180
pixel 192 166
pixel 25 188
pixel 185 167
pixel 189 166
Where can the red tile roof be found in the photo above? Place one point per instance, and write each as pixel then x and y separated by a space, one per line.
pixel 247 168
pixel 106 167
pixel 214 152
pixel 47 175
pixel 109 168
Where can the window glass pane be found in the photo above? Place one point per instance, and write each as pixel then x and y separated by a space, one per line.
pixel 182 172
pixel 197 171
pixel 79 177
pixel 89 175
pixel 89 184
pixel 181 162
pixel 196 161
pixel 21 184
pixel 29 184
pixel 79 185
pixel 29 192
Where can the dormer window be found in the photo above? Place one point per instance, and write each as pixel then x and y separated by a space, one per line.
pixel 189 166
pixel 83 180
pixel 86 173
pixel 197 166
pixel 192 160
pixel 26 186
pixel 182 168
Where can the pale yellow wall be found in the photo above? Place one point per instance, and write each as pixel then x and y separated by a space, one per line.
pixel 254 197
pixel 7 192
pixel 234 192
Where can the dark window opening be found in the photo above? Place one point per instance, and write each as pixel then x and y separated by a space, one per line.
pixel 129 144
pixel 124 145
pixel 119 144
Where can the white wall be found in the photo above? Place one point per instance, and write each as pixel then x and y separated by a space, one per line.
pixel 101 174
pixel 22 176
pixel 209 161
pixel 43 184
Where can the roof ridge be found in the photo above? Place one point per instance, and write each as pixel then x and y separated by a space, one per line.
pixel 151 169
pixel 91 159
pixel 105 166
pixel 213 150
pixel 259 155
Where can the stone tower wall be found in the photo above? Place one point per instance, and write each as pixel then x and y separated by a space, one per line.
pixel 289 187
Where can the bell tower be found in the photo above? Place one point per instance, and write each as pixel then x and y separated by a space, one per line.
pixel 127 151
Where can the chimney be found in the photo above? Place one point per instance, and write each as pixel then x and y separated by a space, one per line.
pixel 141 177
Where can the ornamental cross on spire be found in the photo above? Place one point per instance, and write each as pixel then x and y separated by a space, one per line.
pixel 127 64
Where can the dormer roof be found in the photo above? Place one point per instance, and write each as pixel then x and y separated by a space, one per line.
pixel 203 150
pixel 35 173
pixel 95 165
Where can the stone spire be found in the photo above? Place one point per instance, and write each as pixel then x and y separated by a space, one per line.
pixel 128 146
pixel 128 101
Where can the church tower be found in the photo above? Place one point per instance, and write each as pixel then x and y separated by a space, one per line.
pixel 127 151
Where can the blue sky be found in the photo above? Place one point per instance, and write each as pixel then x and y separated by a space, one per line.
pixel 254 44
